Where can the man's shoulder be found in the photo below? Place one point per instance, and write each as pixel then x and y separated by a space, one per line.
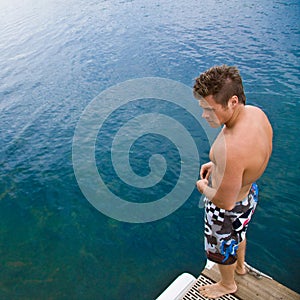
pixel 254 110
pixel 256 116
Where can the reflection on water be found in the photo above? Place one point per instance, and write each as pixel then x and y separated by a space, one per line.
pixel 55 58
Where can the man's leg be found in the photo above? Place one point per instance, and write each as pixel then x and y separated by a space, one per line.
pixel 241 252
pixel 225 286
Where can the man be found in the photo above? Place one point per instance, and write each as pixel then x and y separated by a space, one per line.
pixel 238 157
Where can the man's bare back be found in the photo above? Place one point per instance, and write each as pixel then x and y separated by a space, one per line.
pixel 249 143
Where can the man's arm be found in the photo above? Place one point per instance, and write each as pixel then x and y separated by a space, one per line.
pixel 228 178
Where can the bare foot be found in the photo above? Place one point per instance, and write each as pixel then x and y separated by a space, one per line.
pixel 216 290
pixel 241 270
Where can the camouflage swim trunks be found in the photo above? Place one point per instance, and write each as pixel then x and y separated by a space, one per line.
pixel 225 229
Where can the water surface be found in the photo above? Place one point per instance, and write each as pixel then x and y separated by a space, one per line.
pixel 55 57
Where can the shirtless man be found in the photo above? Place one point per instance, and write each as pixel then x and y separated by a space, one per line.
pixel 238 157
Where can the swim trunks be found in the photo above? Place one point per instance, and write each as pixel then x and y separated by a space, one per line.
pixel 225 229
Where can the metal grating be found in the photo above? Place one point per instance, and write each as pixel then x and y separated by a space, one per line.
pixel 193 294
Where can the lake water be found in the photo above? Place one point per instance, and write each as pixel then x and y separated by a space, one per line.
pixel 55 58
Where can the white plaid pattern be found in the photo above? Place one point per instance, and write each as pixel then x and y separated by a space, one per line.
pixel 214 212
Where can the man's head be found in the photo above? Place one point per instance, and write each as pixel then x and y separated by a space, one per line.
pixel 220 92
pixel 221 82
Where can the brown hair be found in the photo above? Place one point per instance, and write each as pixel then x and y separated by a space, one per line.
pixel 222 82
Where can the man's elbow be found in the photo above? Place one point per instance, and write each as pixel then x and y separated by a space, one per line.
pixel 229 207
pixel 228 204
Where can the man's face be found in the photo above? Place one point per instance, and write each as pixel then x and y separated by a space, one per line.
pixel 214 113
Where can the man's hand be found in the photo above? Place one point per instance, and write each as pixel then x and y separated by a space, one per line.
pixel 206 170
pixel 201 185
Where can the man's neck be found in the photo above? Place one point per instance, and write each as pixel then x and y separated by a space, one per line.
pixel 238 111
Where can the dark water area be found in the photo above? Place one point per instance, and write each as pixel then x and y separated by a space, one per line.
pixel 55 58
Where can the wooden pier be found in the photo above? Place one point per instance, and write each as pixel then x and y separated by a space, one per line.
pixel 254 285
pixel 253 288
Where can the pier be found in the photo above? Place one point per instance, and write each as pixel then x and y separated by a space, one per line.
pixel 252 286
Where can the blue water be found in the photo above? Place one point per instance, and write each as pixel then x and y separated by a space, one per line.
pixel 55 58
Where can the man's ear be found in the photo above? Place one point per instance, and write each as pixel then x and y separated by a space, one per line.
pixel 233 101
